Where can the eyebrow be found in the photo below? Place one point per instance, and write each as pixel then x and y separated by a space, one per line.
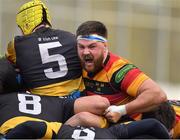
pixel 87 45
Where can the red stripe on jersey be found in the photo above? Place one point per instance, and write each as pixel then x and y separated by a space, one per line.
pixel 129 78
pixel 177 117
pixel 114 98
pixel 136 116
pixel 110 62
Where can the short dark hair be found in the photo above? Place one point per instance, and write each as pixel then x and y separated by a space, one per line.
pixel 92 27
pixel 165 113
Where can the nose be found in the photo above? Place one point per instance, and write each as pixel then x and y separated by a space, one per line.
pixel 86 51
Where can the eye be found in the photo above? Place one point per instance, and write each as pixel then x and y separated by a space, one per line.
pixel 92 46
pixel 80 46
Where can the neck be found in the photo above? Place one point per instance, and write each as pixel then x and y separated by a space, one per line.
pixel 105 55
pixel 41 25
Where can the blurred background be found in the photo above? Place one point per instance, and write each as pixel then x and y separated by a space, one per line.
pixel 147 32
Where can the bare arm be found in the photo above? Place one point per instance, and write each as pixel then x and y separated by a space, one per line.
pixel 88 111
pixel 87 119
pixel 94 104
pixel 150 95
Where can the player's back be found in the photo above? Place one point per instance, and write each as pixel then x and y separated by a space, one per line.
pixel 20 107
pixel 49 62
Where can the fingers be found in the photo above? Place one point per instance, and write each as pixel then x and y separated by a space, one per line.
pixel 106 111
pixel 112 113
pixel 109 117
pixel 109 109
pixel 113 116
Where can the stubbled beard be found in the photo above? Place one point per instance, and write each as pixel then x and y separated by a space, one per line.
pixel 98 64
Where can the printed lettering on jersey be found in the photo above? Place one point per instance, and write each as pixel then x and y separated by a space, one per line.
pixel 47 58
pixel 29 104
pixel 84 133
pixel 98 87
pixel 122 72
pixel 40 39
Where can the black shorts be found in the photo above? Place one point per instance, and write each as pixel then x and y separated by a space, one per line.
pixel 79 132
pixel 148 128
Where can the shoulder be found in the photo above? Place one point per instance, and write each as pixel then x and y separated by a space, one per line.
pixel 5 65
pixel 116 62
pixel 20 37
pixel 118 59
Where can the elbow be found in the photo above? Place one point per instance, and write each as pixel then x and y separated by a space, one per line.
pixel 102 102
pixel 161 96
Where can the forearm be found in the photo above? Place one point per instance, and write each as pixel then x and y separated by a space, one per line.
pixel 149 96
pixel 136 109
pixel 94 104
pixel 114 113
pixel 141 104
pixel 148 99
pixel 86 119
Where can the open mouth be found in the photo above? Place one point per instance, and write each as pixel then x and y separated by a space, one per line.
pixel 88 59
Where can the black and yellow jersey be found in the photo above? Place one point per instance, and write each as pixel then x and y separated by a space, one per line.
pixel 48 61
pixel 17 108
pixel 8 82
pixel 176 105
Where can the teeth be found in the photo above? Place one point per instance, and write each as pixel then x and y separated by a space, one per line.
pixel 88 60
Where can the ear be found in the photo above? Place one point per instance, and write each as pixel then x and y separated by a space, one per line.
pixel 105 46
pixel 105 49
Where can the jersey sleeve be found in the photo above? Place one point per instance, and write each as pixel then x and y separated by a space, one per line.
pixel 132 81
pixel 129 78
pixel 11 53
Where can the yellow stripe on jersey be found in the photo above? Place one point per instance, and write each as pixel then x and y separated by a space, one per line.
pixel 11 123
pixel 177 125
pixel 60 89
pixel 51 126
pixel 11 53
pixel 177 109
pixel 55 126
pixel 176 130
pixel 103 122
pixel 133 88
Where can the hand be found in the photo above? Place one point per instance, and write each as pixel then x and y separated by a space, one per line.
pixel 112 113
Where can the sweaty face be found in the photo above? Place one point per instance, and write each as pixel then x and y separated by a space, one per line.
pixel 91 54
